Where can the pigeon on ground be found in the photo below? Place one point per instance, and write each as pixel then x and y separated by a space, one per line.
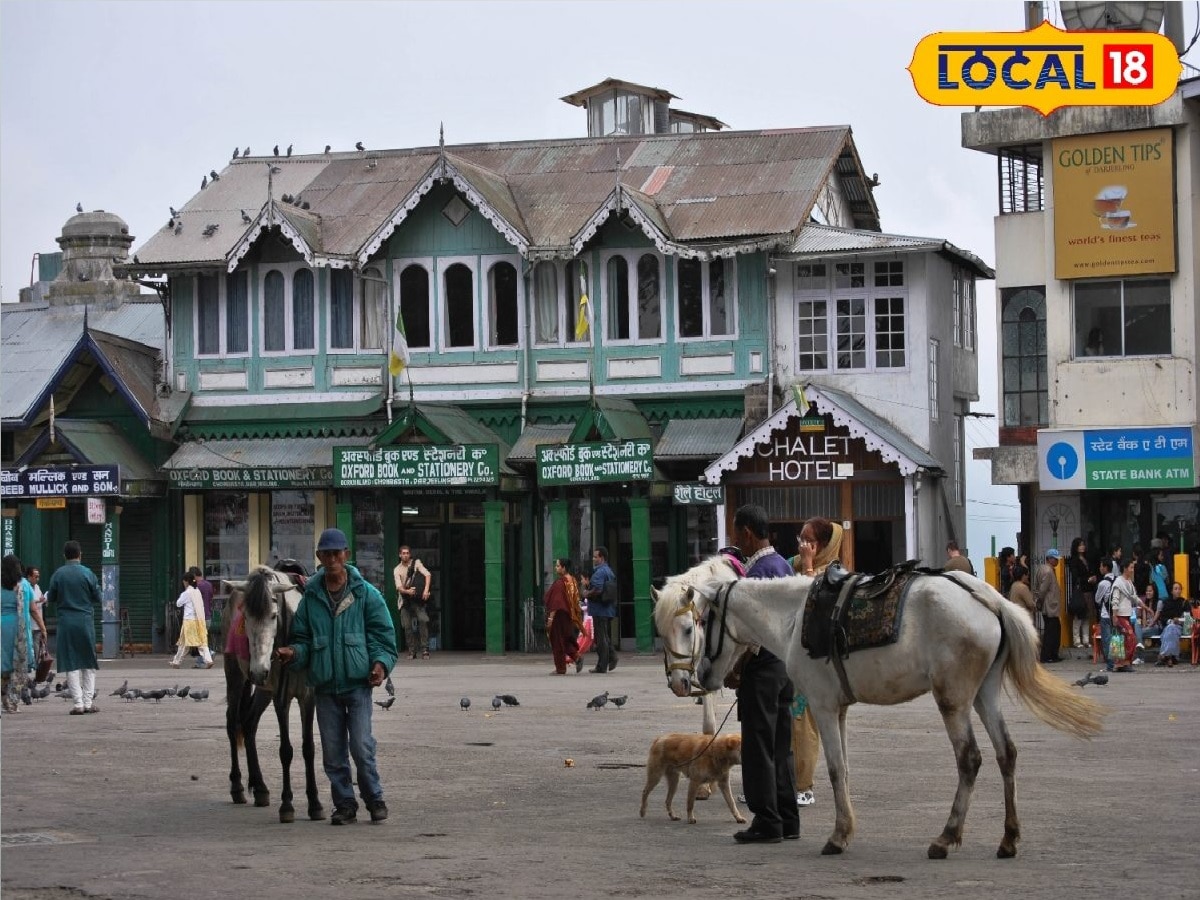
pixel 618 702
pixel 155 695
pixel 183 691
pixel 597 701
pixel 129 696
pixel 41 693
pixel 172 691
pixel 1089 678
pixel 200 695
pixel 121 690
pixel 27 696
pixel 497 703
pixel 358 146
pixel 385 704
pixel 510 700
pixel 389 687
pixel 465 703
pixel 79 206
pixel 289 150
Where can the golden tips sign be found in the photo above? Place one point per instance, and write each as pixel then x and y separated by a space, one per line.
pixel 1114 205
pixel 1045 68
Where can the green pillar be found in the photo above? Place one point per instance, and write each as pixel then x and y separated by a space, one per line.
pixel 493 575
pixel 560 536
pixel 639 525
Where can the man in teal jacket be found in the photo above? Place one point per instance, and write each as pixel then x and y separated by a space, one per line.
pixel 343 636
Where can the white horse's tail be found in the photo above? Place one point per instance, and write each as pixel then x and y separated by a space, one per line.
pixel 1047 697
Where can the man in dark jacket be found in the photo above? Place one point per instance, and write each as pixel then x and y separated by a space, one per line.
pixel 343 636
pixel 76 593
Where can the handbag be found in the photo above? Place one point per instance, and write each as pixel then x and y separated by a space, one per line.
pixel 1116 645
pixel 44 665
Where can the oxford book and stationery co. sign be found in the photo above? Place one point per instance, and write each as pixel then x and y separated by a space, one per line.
pixel 1117 459
pixel 595 463
pixel 252 478
pixel 417 465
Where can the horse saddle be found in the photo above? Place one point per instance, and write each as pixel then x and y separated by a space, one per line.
pixel 847 611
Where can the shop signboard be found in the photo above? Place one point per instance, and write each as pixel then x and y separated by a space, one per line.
pixel 1117 459
pixel 8 535
pixel 595 463
pixel 417 465
pixel 690 494
pixel 252 478
pixel 61 481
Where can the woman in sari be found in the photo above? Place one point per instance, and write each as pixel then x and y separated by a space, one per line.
pixel 820 545
pixel 15 632
pixel 564 618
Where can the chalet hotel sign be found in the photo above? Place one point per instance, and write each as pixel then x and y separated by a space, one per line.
pixel 807 457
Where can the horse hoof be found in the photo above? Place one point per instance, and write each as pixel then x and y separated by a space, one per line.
pixel 831 849
pixel 239 798
pixel 287 816
pixel 1006 852
pixel 317 813
pixel 262 799
pixel 937 851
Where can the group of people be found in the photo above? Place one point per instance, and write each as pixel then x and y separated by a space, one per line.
pixel 75 593
pixel 1128 599
pixel 572 630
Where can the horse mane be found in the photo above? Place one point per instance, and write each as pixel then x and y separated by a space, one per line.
pixel 259 597
pixel 714 569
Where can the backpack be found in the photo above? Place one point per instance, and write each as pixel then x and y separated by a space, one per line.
pixel 1103 596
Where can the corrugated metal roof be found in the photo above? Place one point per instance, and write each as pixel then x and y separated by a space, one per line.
pixel 710 186
pixel 881 427
pixel 309 452
pixel 99 443
pixel 825 240
pixel 617 420
pixel 322 414
pixel 36 341
pixel 697 438
pixel 525 449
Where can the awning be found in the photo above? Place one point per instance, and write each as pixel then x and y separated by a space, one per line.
pixel 875 431
pixel 95 443
pixel 256 464
pixel 320 415
pixel 613 420
pixel 697 439
pixel 442 423
pixel 525 449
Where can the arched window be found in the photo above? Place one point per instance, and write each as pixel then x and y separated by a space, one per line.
pixel 649 310
pixel 274 313
pixel 459 296
pixel 303 311
pixel 374 295
pixel 502 304
pixel 617 298
pixel 1023 356
pixel 578 325
pixel 414 305
pixel 545 294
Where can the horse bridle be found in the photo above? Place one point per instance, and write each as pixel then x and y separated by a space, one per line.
pixel 687 662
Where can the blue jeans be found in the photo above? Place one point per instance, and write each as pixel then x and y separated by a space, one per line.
pixel 1105 634
pixel 345 724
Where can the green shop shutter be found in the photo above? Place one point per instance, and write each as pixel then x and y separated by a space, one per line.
pixel 89 538
pixel 138 539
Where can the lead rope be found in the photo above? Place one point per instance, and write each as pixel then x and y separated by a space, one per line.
pixel 714 736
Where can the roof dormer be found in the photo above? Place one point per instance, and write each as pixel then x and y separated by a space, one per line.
pixel 616 107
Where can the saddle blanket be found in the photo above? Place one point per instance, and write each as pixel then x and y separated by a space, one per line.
pixel 870 617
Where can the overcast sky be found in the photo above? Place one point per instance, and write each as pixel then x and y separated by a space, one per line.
pixel 124 106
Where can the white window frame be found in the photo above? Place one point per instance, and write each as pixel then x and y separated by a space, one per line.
pixel 968 311
pixel 356 316
pixel 956 308
pixel 823 287
pixel 288 271
pixel 934 409
pixel 444 263
pixel 398 267
pixel 360 302
pixel 632 257
pixel 223 315
pixel 485 266
pixel 731 275
pixel 566 336
pixel 958 462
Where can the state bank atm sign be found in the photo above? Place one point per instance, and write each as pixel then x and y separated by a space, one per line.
pixel 1045 68
pixel 1117 459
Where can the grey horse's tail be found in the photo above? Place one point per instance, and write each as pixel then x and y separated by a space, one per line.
pixel 1048 698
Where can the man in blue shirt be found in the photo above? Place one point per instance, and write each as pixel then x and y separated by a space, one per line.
pixel 602 607
pixel 765 706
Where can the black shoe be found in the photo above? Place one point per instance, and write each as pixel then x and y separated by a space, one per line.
pixel 345 815
pixel 378 810
pixel 612 665
pixel 750 836
pixel 579 665
pixel 598 671
pixel 792 835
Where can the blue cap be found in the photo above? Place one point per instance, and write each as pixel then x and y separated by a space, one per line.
pixel 1052 553
pixel 332 539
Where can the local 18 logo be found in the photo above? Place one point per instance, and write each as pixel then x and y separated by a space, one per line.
pixel 1045 68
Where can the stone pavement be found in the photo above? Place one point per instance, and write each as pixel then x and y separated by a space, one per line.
pixel 484 803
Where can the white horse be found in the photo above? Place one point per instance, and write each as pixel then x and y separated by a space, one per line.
pixel 959 638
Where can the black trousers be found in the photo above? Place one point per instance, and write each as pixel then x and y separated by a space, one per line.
pixel 768 775
pixel 1051 637
pixel 602 632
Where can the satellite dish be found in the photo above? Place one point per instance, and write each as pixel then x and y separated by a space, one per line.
pixel 1096 15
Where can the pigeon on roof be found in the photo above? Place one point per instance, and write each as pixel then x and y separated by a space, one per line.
pixel 204 182
pixel 246 220
pixel 289 150
pixel 214 176
pixel 236 151
pixel 357 146
pixel 275 151
pixel 328 147
pixel 246 152
pixel 78 207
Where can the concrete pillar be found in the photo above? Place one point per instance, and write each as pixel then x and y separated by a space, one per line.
pixel 639 526
pixel 493 575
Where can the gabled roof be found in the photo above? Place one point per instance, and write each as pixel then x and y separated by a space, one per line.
pixel 874 430
pixel 613 419
pixel 442 423
pixel 42 345
pixel 821 241
pixel 93 443
pixel 580 97
pixel 705 193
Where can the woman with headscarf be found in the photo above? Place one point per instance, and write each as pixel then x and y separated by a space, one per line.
pixel 15 633
pixel 564 618
pixel 820 545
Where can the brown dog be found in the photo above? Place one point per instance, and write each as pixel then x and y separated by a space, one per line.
pixel 693 755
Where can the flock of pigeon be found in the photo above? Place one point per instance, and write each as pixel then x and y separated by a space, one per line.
pixel 125 692
pixel 1089 678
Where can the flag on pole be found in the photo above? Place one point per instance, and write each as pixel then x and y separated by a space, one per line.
pixel 583 320
pixel 398 358
pixel 801 398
